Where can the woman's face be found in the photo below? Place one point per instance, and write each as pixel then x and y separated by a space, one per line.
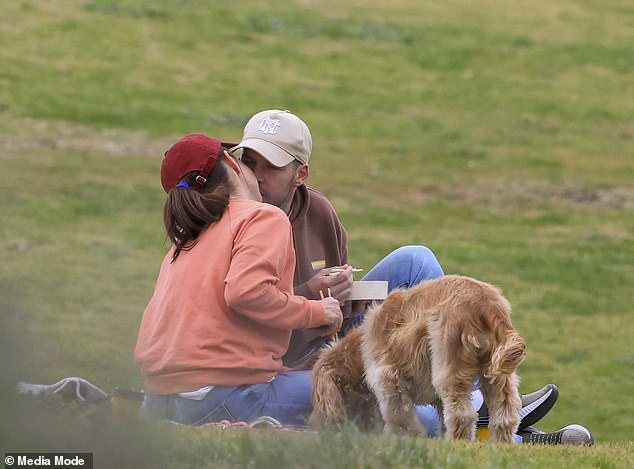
pixel 248 179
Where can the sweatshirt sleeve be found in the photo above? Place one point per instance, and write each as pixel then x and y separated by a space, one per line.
pixel 259 281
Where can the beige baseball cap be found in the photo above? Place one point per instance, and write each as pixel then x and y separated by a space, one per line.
pixel 279 136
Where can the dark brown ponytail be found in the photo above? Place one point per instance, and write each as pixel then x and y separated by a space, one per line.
pixel 189 210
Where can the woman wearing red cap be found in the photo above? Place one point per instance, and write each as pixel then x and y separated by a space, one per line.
pixel 213 335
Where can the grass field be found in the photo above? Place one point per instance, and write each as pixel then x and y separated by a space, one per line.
pixel 499 134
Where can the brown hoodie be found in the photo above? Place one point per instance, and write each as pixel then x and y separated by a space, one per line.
pixel 320 241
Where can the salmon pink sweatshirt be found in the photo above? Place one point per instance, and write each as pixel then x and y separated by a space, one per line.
pixel 222 313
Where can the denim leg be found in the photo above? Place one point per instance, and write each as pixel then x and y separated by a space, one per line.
pixel 405 267
pixel 428 415
pixel 290 397
pixel 189 411
pixel 286 398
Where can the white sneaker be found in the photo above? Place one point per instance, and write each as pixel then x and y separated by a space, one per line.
pixel 534 406
pixel 569 435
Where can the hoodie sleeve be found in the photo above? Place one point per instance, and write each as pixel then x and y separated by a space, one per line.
pixel 259 283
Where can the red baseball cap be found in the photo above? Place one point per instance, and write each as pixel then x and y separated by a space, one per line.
pixel 195 152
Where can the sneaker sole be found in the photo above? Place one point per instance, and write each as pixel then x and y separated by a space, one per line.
pixel 536 411
pixel 574 435
pixel 589 440
pixel 533 412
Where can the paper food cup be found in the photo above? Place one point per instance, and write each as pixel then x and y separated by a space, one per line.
pixel 369 290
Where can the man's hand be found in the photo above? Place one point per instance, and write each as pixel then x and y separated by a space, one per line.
pixel 333 319
pixel 338 279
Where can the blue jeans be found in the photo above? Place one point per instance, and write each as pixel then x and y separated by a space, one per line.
pixel 286 398
pixel 405 267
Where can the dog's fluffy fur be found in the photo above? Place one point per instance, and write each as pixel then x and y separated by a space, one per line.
pixel 425 345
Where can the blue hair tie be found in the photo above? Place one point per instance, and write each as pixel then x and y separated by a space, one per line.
pixel 183 184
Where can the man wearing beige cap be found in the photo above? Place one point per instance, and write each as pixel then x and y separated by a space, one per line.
pixel 281 141
pixel 277 146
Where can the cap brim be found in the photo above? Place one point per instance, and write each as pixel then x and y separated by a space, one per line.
pixel 269 151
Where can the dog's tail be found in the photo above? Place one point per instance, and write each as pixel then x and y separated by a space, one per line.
pixel 508 347
pixel 328 404
pixel 506 357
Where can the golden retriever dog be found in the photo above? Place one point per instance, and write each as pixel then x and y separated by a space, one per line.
pixel 340 392
pixel 425 345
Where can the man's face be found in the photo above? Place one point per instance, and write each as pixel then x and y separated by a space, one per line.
pixel 277 185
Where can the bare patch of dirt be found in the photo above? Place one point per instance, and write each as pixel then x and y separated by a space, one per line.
pixel 507 196
pixel 32 134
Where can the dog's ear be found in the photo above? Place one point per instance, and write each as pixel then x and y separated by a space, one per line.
pixel 386 316
pixel 394 302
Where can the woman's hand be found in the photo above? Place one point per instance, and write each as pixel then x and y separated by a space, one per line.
pixel 333 317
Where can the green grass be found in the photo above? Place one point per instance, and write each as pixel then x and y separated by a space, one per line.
pixel 497 133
